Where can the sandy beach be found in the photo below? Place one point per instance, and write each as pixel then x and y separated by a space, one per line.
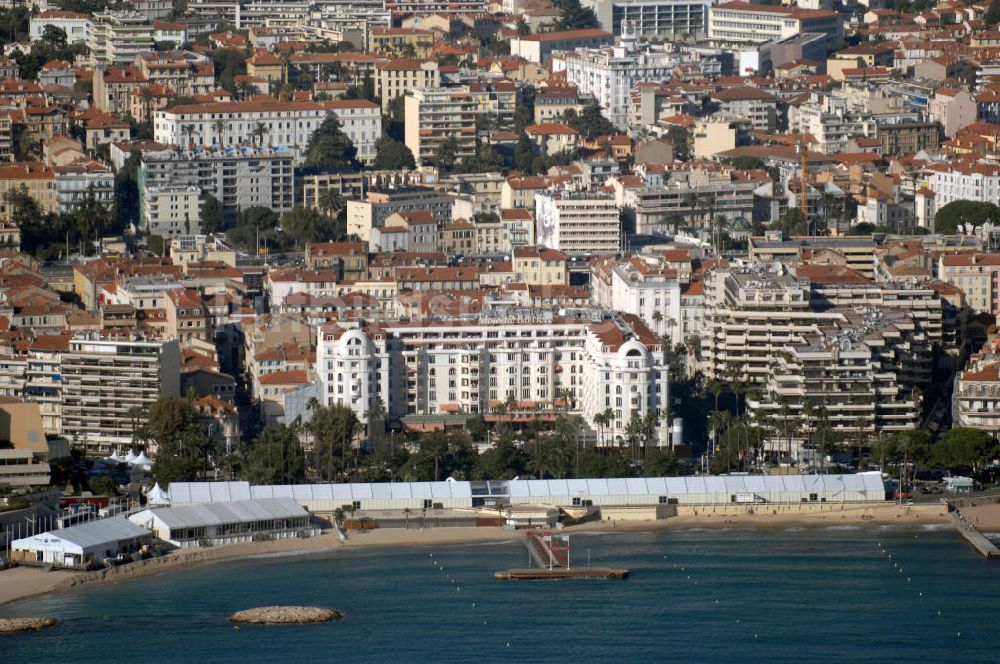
pixel 21 582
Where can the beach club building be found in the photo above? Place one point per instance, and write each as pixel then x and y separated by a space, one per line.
pixel 226 522
pixel 608 493
pixel 83 546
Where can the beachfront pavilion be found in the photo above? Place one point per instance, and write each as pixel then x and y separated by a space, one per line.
pixel 83 546
pixel 226 522
pixel 608 493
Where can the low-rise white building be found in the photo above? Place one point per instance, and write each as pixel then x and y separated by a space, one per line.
pixel 74 24
pixel 83 546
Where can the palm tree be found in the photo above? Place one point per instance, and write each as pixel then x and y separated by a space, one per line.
pixel 260 130
pixel 331 202
pixel 189 130
pixel 375 413
pixel 600 421
pixel 219 126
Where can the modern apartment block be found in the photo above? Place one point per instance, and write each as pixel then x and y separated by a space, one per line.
pixel 578 223
pixel 726 193
pixel 436 115
pixel 753 314
pixel 472 365
pixel 239 177
pixel 843 377
pixel 381 204
pixel 107 380
pixel 653 18
pixel 117 37
pixel 746 23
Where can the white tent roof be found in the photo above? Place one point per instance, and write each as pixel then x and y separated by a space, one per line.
pixel 90 535
pixel 215 514
pixel 157 496
pixel 130 457
pixel 142 460
pixel 212 492
pixel 114 457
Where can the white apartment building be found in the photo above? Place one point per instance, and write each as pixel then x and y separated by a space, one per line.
pixel 472 365
pixel 239 177
pixel 578 223
pixel 976 402
pixel 609 74
pixel 832 121
pixel 171 211
pixel 280 125
pixel 642 285
pixel 652 18
pixel 115 38
pixel 746 23
pixel 435 115
pixel 963 182
pixel 104 378
pixel 74 24
pixel 76 182
pixel 361 121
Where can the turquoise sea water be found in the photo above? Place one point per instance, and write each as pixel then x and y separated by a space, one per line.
pixel 793 595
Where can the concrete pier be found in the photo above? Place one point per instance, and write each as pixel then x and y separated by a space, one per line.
pixel 983 546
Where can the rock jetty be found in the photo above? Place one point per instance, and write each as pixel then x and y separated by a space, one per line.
pixel 285 615
pixel 12 625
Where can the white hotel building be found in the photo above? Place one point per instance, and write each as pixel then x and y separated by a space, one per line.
pixel 471 365
pixel 286 124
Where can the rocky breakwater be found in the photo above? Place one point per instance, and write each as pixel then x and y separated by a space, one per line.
pixel 285 615
pixel 13 625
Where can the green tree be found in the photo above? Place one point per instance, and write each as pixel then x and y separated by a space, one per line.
pixel 54 36
pixel 992 16
pixel 792 223
pixel 156 245
pixel 503 461
pixel 590 122
pixel 330 148
pixel 575 16
pixel 524 154
pixel 303 225
pixel 679 137
pixel 332 429
pixel 446 155
pixel 963 446
pixel 391 155
pixel 949 217
pixel 661 462
pixel 212 219
pixel 275 458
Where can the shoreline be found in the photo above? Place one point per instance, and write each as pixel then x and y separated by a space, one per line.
pixel 24 582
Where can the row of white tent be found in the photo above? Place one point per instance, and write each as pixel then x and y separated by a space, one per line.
pixel 132 458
